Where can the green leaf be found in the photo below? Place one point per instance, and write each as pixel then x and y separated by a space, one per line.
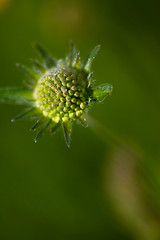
pixel 101 92
pixel 43 130
pixel 67 129
pixel 48 60
pixel 91 57
pixel 28 114
pixel 16 95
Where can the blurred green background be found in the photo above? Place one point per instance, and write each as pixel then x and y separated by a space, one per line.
pixel 96 189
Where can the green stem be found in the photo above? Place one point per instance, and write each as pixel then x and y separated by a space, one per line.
pixel 103 133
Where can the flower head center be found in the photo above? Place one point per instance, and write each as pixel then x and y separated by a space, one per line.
pixel 62 94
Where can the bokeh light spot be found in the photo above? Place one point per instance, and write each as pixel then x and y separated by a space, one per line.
pixel 4 4
pixel 67 18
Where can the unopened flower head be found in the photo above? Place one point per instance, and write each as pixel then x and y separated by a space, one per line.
pixel 62 95
pixel 58 92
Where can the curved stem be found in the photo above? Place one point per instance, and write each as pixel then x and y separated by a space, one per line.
pixel 102 132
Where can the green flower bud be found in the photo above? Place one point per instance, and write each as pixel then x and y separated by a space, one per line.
pixel 60 91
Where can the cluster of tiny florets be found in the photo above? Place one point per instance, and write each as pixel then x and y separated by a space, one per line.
pixel 62 95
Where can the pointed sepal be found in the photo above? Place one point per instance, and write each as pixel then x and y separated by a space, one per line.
pixel 32 74
pixel 91 57
pixel 29 84
pixel 102 91
pixel 38 66
pixel 72 54
pixel 38 123
pixel 48 60
pixel 89 79
pixel 28 114
pixel 16 95
pixel 83 121
pixel 67 130
pixel 43 130
pixel 61 63
pixel 54 127
pixel 76 63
